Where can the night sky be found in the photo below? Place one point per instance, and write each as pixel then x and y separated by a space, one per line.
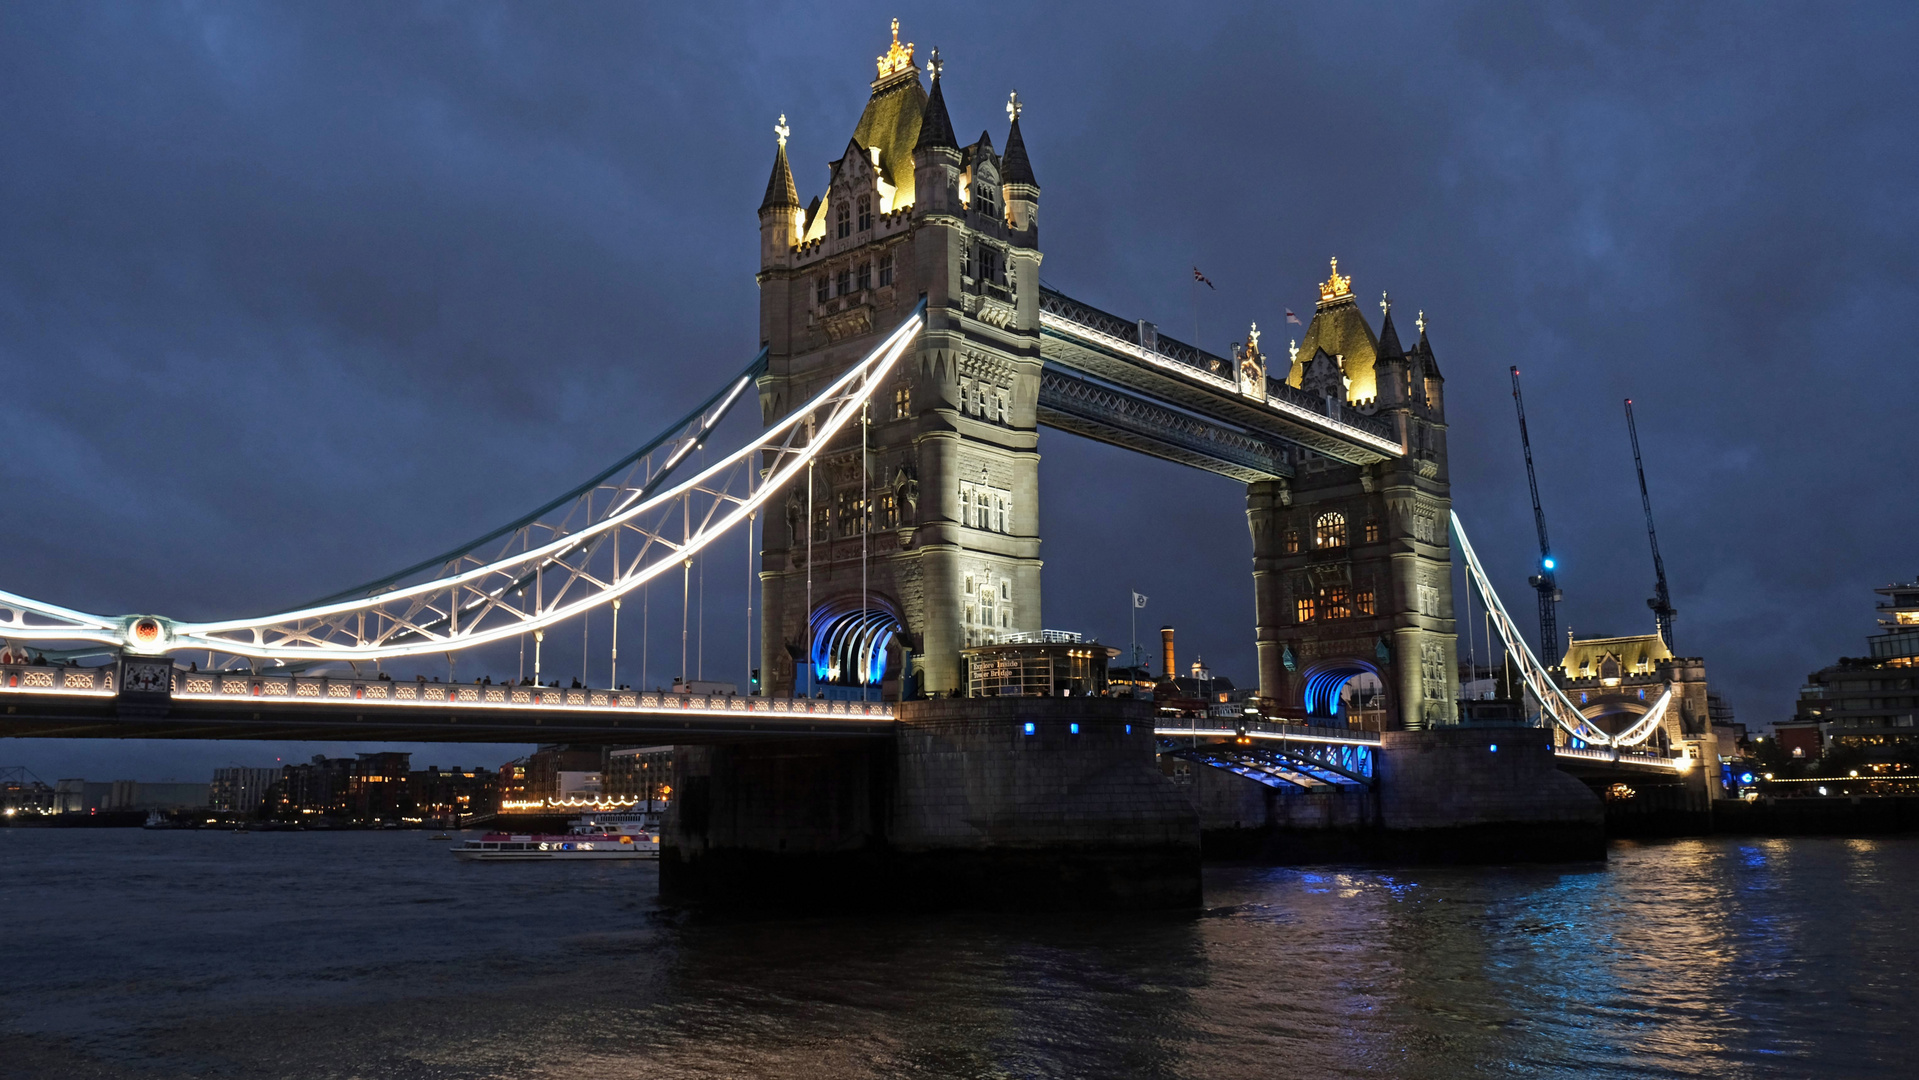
pixel 294 295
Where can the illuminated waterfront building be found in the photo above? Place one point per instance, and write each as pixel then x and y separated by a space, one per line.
pixel 1868 702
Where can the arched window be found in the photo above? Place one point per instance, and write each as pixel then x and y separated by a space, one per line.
pixel 866 212
pixel 845 222
pixel 1292 541
pixel 1330 531
pixel 1372 530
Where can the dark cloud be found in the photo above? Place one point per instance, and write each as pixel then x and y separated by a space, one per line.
pixel 290 295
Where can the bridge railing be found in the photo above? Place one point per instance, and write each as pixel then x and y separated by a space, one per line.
pixel 188 685
pixel 1216 727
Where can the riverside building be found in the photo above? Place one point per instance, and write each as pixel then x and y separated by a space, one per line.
pixel 1869 702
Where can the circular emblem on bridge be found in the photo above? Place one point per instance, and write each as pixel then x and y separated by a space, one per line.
pixel 146 631
pixel 147 634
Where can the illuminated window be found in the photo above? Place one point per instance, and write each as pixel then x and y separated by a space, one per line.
pixel 825 291
pixel 902 402
pixel 1363 602
pixel 1292 541
pixel 850 509
pixel 1330 531
pixel 1305 612
pixel 886 270
pixel 866 275
pixel 845 228
pixel 1333 603
pixel 820 523
pixel 866 212
pixel 1372 530
pixel 886 511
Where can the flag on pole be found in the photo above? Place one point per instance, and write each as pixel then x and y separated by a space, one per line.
pixel 1201 278
pixel 1292 318
pixel 1138 600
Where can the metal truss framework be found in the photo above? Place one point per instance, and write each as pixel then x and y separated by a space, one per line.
pixel 1136 357
pixel 587 548
pixel 1304 768
pixel 1553 701
pixel 1083 406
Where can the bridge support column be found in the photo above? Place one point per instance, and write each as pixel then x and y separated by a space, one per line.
pixel 964 807
pixel 1265 501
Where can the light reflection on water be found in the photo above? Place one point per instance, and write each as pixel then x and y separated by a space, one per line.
pixel 375 954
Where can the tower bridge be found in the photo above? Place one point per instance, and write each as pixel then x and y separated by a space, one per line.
pixel 909 358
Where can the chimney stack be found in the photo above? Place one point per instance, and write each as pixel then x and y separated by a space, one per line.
pixel 1166 644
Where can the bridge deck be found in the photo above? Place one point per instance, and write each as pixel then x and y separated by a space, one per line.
pixel 100 702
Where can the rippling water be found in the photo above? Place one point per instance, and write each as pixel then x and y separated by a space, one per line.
pixel 127 953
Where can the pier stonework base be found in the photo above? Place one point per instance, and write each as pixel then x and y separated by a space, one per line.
pixel 962 808
pixel 1445 795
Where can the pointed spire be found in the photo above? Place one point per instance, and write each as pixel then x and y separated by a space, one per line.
pixel 936 128
pixel 780 192
pixel 1015 167
pixel 1389 347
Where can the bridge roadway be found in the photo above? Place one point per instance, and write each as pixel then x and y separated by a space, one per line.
pixel 137 698
pixel 145 699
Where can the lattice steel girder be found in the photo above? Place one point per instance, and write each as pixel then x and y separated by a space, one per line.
pixel 1077 337
pixel 1347 764
pixel 1082 406
pixel 1265 772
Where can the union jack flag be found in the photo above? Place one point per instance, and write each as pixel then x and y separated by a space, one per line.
pixel 1201 278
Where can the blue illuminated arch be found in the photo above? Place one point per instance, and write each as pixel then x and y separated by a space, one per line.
pixel 1321 683
pixel 848 647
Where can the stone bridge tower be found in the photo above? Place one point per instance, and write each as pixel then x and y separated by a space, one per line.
pixel 945 505
pixel 1352 564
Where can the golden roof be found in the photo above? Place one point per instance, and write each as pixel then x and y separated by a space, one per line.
pixel 891 120
pixel 1341 329
pixel 1583 658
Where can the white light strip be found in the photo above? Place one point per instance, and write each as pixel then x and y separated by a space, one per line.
pixel 1120 345
pixel 1538 678
pixel 891 348
pixel 1646 724
pixel 884 717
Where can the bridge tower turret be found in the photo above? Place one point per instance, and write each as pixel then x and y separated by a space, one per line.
pixel 1352 564
pixel 947 517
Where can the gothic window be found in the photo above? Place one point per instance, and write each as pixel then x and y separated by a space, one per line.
pixel 988 198
pixel 1333 603
pixel 845 280
pixel 988 264
pixel 1330 531
pixel 886 511
pixel 820 527
pixel 845 219
pixel 886 270
pixel 849 509
pixel 1292 541
pixel 1363 602
pixel 866 276
pixel 988 508
pixel 1425 527
pixel 1305 609
pixel 1372 530
pixel 1004 411
pixel 825 291
pixel 902 402
pixel 866 212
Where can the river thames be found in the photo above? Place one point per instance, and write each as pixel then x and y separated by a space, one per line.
pixel 213 954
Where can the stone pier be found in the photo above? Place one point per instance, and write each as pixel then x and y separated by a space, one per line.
pixel 1451 794
pixel 980 802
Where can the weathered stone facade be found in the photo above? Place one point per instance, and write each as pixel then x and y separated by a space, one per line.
pixel 948 496
pixel 1352 564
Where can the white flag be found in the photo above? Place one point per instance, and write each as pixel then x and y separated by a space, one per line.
pixel 1138 600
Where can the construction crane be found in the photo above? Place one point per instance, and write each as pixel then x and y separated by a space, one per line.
pixel 1661 602
pixel 1545 583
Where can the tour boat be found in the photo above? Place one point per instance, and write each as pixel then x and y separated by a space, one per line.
pixel 579 844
